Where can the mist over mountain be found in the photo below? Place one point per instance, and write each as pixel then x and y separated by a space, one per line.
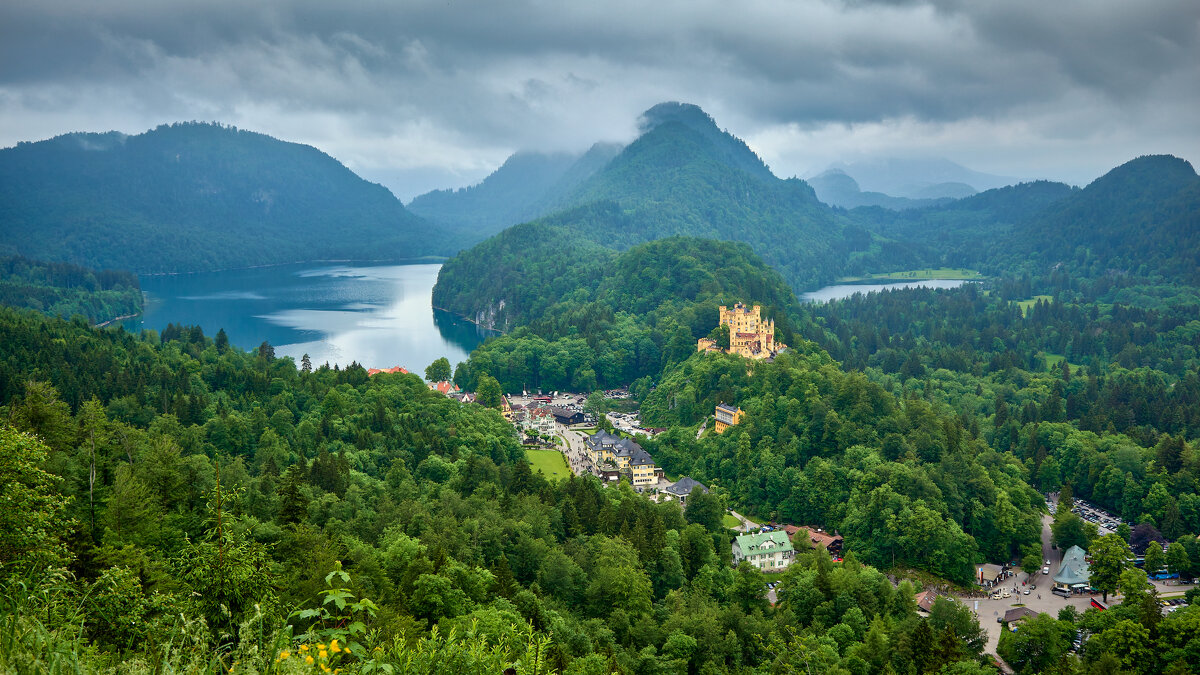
pixel 836 188
pixel 191 197
pixel 521 189
pixel 928 178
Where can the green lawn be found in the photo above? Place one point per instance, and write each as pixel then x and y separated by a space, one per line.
pixel 1026 304
pixel 549 462
pixel 730 521
pixel 917 275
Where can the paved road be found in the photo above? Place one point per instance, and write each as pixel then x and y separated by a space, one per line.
pixel 746 525
pixel 1041 599
pixel 575 450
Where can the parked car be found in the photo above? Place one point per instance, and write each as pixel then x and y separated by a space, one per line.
pixel 1046 569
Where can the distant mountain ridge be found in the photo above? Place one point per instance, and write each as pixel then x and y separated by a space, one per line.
pixel 836 188
pixel 193 196
pixel 919 178
pixel 683 177
pixel 521 189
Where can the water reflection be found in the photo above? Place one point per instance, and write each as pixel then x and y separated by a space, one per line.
pixel 377 315
pixel 843 291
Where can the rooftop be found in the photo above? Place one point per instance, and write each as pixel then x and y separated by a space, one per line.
pixel 1074 569
pixel 684 486
pixel 752 542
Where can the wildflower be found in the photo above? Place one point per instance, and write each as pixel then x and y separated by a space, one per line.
pixel 346 649
pixel 333 646
pixel 308 660
pixel 324 667
pixel 323 654
pixel 303 648
pixel 283 655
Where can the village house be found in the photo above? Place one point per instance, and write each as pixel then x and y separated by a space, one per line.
pixel 625 457
pixel 539 420
pixel 680 489
pixel 727 416
pixel 817 538
pixel 768 551
pixel 445 388
pixel 393 370
pixel 988 575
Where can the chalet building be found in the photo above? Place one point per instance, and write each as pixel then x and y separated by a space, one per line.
pixel 768 551
pixel 566 416
pixel 1074 573
pixel 727 416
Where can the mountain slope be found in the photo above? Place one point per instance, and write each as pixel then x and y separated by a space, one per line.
pixel 522 188
pixel 1142 217
pixel 685 177
pixel 190 197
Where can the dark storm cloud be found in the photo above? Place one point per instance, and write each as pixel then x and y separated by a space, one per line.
pixel 453 86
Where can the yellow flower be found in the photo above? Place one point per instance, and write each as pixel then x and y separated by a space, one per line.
pixel 333 645
pixel 346 649
pixel 323 654
pixel 303 648
pixel 308 660
pixel 324 667
pixel 284 654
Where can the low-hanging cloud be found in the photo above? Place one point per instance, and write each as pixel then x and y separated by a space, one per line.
pixel 1063 90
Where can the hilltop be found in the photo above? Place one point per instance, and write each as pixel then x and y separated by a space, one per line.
pixel 190 197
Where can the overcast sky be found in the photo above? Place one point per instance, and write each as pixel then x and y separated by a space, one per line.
pixel 421 95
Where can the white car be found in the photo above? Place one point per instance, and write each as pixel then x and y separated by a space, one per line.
pixel 1046 569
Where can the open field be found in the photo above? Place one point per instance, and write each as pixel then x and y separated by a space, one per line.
pixel 1026 304
pixel 916 275
pixel 549 462
pixel 729 521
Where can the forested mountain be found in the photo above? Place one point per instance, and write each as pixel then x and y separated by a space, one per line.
pixel 523 188
pixel 188 507
pixel 63 289
pixel 606 318
pixel 1141 218
pixel 682 177
pixel 685 177
pixel 965 232
pixel 187 197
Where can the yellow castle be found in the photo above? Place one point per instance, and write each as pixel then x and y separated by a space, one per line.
pixel 749 334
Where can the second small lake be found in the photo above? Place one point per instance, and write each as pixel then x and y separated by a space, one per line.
pixel 842 291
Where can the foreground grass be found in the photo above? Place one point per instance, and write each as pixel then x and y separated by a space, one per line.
pixel 729 521
pixel 917 275
pixel 549 462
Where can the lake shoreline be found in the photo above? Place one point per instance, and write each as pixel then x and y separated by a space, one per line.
pixel 421 260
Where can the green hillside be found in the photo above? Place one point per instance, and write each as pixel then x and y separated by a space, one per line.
pixel 188 197
pixel 63 289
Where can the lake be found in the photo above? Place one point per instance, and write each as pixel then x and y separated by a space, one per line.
pixel 378 315
pixel 842 291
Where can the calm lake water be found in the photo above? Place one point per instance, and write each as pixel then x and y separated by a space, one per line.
pixel 843 291
pixel 378 315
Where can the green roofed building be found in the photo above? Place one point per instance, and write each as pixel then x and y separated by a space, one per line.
pixel 768 551
pixel 1074 572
